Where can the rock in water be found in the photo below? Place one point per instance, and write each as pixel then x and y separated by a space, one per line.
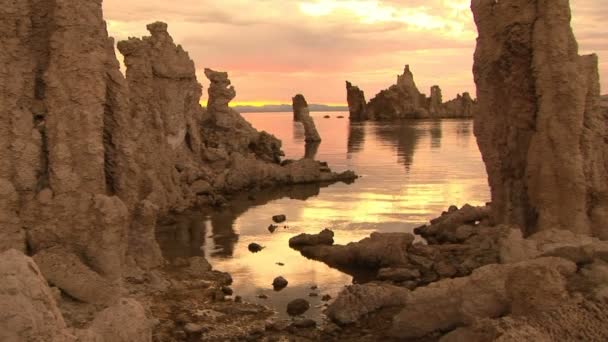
pixel 539 125
pixel 302 114
pixel 279 218
pixel 356 102
pixel 254 247
pixel 300 107
pixel 297 307
pixel 279 283
pixel 326 237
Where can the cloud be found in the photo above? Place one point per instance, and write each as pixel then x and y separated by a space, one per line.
pixel 276 48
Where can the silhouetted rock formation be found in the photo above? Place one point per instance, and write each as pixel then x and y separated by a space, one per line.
pixel 539 127
pixel 462 106
pixel 356 102
pixel 404 101
pixel 302 114
pixel 299 104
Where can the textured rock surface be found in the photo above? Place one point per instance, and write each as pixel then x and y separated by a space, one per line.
pixel 450 303
pixel 356 102
pixel 357 301
pixel 125 321
pixel 302 114
pixel 539 126
pixel 29 311
pixel 89 159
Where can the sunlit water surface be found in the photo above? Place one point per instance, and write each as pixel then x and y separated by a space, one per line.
pixel 410 172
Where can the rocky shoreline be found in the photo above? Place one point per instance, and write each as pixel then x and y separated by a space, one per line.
pixel 91 161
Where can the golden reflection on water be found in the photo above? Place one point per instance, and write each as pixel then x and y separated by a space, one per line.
pixel 411 171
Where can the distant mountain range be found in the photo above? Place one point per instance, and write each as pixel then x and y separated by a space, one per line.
pixel 287 108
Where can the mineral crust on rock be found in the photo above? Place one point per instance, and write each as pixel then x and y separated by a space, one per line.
pixel 539 125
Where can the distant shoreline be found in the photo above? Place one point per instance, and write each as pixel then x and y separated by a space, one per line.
pixel 287 108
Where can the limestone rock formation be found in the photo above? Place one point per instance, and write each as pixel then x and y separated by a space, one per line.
pixel 90 159
pixel 400 101
pixel 302 114
pixel 450 303
pixel 356 301
pixel 539 125
pixel 403 100
pixel 356 102
pixel 435 102
pixel 299 104
pixel 462 106
pixel 29 310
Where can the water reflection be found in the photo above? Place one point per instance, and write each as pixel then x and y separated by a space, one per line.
pixel 411 171
pixel 311 149
pixel 356 137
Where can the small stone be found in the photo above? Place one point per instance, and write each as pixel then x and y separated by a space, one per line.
pixel 297 307
pixel 272 228
pixel 280 264
pixel 314 287
pixel 254 247
pixel 326 298
pixel 327 117
pixel 279 283
pixel 279 218
pixel 313 294
pixel 262 296
pixel 238 299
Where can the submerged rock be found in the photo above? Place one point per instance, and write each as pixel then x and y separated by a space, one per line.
pixel 541 132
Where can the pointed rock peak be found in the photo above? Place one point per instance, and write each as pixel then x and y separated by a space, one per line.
pixel 299 101
pixel 216 76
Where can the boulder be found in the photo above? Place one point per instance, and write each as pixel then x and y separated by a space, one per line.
pixel 297 307
pixel 450 303
pixel 356 301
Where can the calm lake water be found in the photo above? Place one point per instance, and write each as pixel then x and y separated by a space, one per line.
pixel 410 172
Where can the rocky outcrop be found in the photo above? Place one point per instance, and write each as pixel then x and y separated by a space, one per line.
pixel 302 114
pixel 539 126
pixel 356 301
pixel 90 159
pixel 490 292
pixel 299 104
pixel 356 102
pixel 400 101
pixel 462 106
pixel 435 102
pixel 29 310
pixel 325 237
pixel 404 101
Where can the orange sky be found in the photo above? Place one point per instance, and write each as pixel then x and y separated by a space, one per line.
pixel 274 49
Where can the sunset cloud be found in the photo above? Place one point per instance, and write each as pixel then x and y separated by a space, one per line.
pixel 276 48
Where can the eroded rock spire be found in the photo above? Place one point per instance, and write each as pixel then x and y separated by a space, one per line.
pixel 539 126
